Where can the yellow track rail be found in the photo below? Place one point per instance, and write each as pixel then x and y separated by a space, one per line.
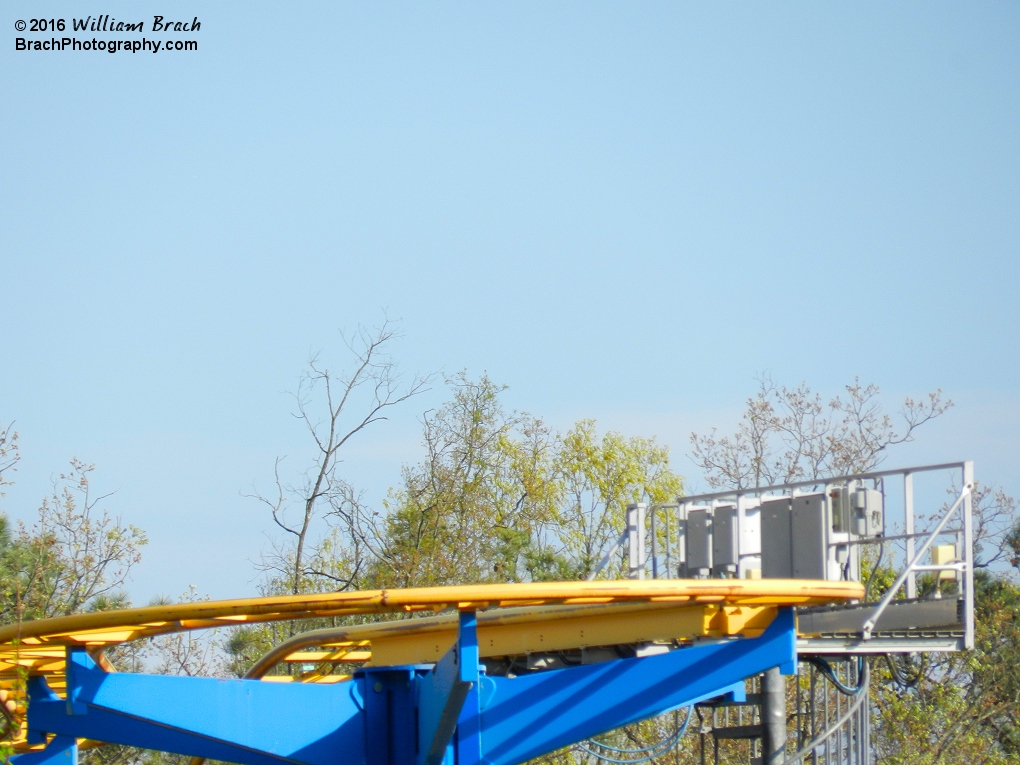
pixel 514 619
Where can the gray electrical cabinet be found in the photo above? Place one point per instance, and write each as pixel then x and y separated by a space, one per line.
pixel 699 542
pixel 776 550
pixel 808 537
pixel 725 546
pixel 793 538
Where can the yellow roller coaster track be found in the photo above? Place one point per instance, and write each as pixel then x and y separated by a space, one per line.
pixel 514 620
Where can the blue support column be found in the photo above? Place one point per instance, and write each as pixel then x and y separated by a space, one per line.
pixel 389 717
pixel 468 745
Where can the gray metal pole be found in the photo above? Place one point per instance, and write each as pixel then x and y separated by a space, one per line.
pixel 773 717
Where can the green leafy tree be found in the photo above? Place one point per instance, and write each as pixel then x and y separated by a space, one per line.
pixel 75 557
pixel 600 476
pixel 472 509
pixel 500 497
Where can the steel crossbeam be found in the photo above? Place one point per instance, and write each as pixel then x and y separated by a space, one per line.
pixel 450 712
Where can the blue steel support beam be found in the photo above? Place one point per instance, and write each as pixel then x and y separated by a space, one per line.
pixel 467 737
pixel 243 721
pixel 443 691
pixel 389 718
pixel 372 719
pixel 526 717
pixel 62 750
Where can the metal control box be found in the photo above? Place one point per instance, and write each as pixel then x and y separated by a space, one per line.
pixel 725 545
pixel 793 538
pixel 839 502
pixel 808 536
pixel 699 542
pixel 868 514
pixel 776 560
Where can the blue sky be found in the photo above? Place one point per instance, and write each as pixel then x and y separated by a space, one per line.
pixel 622 211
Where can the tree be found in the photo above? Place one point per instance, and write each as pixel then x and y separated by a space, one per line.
pixel 964 707
pixel 76 557
pixel 791 434
pixel 501 497
pixel 334 407
pixel 9 455
pixel 471 509
pixel 600 477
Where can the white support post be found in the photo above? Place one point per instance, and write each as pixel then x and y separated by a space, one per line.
pixel 681 540
pixel 968 557
pixel 741 521
pixel 636 540
pixel 908 509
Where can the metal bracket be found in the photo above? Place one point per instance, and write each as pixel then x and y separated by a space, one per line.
pixel 443 691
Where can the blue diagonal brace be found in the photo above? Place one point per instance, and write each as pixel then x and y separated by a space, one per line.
pixel 242 721
pixel 443 691
pixel 526 717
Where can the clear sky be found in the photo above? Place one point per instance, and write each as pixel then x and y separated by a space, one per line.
pixel 623 211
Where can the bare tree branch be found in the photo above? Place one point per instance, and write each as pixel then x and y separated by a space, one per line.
pixel 789 434
pixel 334 407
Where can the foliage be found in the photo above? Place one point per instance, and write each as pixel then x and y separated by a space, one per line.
pixel 600 477
pixel 470 510
pixel 76 557
pixel 500 497
pixel 965 708
pixel 791 434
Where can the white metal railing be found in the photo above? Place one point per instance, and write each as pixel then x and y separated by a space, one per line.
pixel 843 544
pixel 915 564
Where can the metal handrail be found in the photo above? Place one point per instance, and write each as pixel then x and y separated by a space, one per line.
pixel 869 625
pixel 821 481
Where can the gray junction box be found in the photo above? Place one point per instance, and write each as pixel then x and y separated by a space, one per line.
pixel 793 538
pixel 808 537
pixel 699 542
pixel 776 547
pixel 725 545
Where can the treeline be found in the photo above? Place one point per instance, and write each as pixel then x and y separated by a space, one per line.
pixel 500 496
